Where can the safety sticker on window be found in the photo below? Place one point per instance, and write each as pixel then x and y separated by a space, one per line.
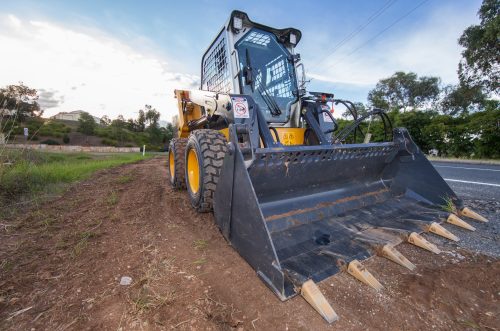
pixel 240 107
pixel 326 117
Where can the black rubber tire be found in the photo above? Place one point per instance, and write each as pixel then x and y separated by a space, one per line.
pixel 178 148
pixel 210 147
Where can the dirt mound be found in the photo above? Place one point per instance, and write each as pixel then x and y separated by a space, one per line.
pixel 61 266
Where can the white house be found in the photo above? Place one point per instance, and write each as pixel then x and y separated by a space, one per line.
pixel 72 116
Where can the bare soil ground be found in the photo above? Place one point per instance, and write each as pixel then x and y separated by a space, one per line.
pixel 61 266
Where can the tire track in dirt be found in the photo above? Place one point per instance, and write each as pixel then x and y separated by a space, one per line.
pixel 65 261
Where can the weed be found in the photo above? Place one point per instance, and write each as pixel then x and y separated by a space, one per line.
pixel 114 218
pixel 148 299
pixel 448 206
pixel 82 242
pixel 125 179
pixel 200 261
pixel 63 243
pixel 200 244
pixel 6 265
pixel 47 222
pixel 470 324
pixel 112 198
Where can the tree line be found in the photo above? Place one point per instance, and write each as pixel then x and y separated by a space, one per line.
pixel 144 130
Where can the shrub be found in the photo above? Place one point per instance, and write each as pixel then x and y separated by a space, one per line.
pixel 50 142
pixel 66 139
pixel 109 142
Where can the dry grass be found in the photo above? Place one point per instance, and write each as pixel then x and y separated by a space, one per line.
pixel 147 293
pixel 200 244
pixel 112 198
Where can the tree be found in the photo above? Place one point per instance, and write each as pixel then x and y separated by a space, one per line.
pixel 141 121
pixel 405 91
pixel 152 116
pixel 86 124
pixel 118 126
pixel 169 133
pixel 21 99
pixel 480 64
pixel 105 120
pixel 462 99
pixel 131 125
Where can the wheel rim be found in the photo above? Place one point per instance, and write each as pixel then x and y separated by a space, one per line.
pixel 193 171
pixel 171 164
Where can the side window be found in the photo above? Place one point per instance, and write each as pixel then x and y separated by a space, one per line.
pixel 215 70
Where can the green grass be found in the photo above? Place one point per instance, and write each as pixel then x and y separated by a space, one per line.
pixel 30 172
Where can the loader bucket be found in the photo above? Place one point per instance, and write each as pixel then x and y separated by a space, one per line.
pixel 300 213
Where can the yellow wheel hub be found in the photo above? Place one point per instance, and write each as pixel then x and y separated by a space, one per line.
pixel 171 164
pixel 193 171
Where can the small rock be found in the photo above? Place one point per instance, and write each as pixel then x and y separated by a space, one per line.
pixel 126 280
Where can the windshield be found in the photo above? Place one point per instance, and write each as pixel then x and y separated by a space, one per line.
pixel 273 74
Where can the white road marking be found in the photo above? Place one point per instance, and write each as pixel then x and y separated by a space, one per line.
pixel 469 182
pixel 440 166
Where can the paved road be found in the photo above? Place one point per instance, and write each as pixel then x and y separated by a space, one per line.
pixel 479 186
pixel 476 181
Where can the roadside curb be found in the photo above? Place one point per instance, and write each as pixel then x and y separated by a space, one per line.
pixel 471 161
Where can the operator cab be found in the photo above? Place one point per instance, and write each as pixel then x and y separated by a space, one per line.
pixel 257 60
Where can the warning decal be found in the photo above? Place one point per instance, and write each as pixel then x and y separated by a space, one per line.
pixel 240 107
pixel 326 117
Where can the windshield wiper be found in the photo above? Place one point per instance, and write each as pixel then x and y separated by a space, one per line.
pixel 274 108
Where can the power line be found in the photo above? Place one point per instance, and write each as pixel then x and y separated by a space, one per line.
pixel 353 33
pixel 378 34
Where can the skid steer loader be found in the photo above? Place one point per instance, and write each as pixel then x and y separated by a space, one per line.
pixel 297 201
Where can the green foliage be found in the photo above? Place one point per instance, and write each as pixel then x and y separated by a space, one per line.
pixel 66 139
pixel 462 99
pixel 480 65
pixel 405 91
pixel 53 129
pixel 86 124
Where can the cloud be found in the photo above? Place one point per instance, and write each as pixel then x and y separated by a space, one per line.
pixel 86 70
pixel 431 48
pixel 49 99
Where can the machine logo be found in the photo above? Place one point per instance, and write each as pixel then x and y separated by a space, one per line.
pixel 240 106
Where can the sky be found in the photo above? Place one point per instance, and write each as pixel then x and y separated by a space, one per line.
pixel 113 57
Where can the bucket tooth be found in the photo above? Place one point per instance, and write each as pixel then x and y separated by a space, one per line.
pixel 467 212
pixel 440 231
pixel 392 254
pixel 455 220
pixel 312 294
pixel 417 240
pixel 356 269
